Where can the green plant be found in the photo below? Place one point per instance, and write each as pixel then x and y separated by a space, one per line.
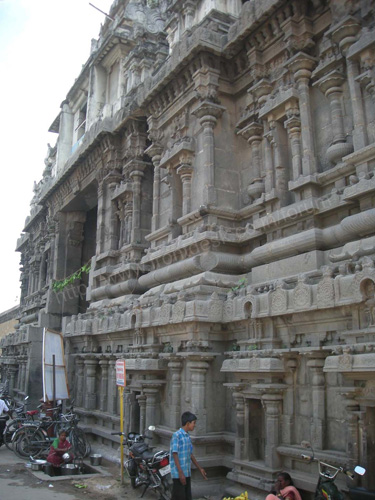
pixel 235 347
pixel 252 347
pixel 59 285
pixel 241 284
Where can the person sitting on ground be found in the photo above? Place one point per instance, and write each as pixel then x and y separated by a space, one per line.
pixel 284 488
pixel 58 448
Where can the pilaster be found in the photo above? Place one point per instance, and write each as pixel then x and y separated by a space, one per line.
pixel 208 114
pixel 90 382
pixel 331 86
pixel 272 402
pixel 80 380
pixel 302 65
pixel 318 401
pixel 175 367
pixel 198 366
pixel 103 363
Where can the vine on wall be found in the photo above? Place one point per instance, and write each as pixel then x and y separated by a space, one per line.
pixel 59 285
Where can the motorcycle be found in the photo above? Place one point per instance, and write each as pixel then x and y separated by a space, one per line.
pixel 326 488
pixel 148 468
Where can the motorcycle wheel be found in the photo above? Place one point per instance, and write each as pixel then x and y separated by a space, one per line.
pixel 165 490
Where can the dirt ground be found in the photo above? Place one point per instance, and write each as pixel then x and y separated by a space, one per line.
pixel 18 481
pixel 103 487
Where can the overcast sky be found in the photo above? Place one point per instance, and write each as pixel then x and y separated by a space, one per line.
pixel 43 45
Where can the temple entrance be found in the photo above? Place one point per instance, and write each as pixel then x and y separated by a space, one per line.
pixel 88 250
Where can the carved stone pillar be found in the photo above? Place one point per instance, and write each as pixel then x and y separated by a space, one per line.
pixel 112 389
pixel 90 382
pixel 142 412
pixel 240 442
pixel 127 410
pixel 198 366
pixel 268 160
pixel 23 377
pixel 155 152
pixel 272 403
pixel 103 363
pixel 331 86
pixel 137 176
pixel 289 410
pixel 253 134
pixel 318 400
pixel 293 127
pixel 208 114
pixel 79 382
pixel 188 11
pixel 19 376
pixel 152 410
pixel 279 160
pixel 345 35
pixel 100 226
pixel 301 65
pixel 12 371
pixel 174 367
pixel 185 171
pixel 352 435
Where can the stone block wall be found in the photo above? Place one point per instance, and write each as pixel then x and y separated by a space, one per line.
pixel 214 227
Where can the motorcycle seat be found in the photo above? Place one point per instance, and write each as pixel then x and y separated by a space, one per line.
pixel 148 455
pixel 139 448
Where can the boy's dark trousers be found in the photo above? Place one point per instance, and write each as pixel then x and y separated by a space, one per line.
pixel 181 491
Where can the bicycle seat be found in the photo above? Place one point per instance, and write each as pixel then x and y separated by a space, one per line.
pixel 32 412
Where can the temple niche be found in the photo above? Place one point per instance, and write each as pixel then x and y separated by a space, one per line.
pixel 211 192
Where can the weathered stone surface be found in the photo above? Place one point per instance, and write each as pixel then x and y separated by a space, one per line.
pixel 215 168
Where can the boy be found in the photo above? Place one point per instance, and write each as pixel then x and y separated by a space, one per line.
pixel 181 458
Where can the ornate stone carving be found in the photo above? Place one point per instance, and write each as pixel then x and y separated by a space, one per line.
pixel 302 295
pixel 279 299
pixel 325 295
pixel 178 311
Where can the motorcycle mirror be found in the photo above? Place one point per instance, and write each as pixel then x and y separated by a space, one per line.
pixel 305 444
pixel 360 470
pixel 151 427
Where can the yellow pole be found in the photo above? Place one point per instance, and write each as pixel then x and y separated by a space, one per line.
pixel 121 390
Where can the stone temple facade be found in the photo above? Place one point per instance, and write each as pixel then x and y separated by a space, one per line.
pixel 214 165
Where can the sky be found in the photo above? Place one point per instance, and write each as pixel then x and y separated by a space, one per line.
pixel 43 45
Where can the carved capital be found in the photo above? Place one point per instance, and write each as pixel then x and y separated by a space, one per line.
pixel 331 83
pixel 208 112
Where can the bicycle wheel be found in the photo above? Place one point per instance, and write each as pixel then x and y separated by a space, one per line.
pixel 10 428
pixel 78 440
pixel 29 441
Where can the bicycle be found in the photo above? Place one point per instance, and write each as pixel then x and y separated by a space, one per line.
pixel 21 415
pixel 76 436
pixel 33 437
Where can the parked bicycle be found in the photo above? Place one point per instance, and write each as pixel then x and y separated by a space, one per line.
pixel 20 415
pixel 35 437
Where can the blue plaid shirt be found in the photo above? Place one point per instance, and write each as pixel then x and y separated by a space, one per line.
pixel 181 444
